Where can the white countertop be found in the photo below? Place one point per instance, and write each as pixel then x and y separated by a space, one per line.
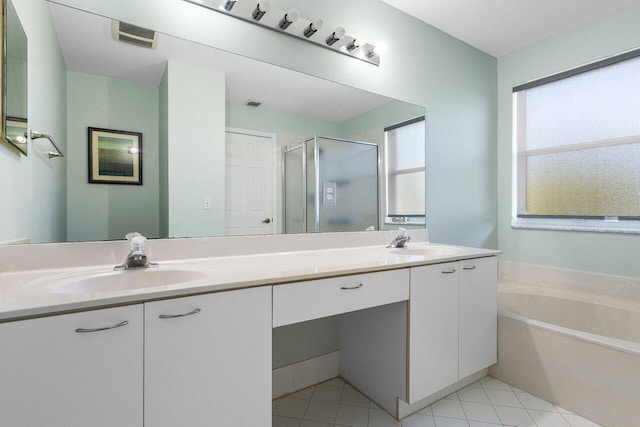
pixel 32 293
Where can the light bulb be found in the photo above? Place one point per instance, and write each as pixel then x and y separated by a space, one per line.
pixel 352 45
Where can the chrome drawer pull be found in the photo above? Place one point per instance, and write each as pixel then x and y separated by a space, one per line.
pixel 172 316
pixel 469 268
pixel 348 288
pixel 449 271
pixel 118 325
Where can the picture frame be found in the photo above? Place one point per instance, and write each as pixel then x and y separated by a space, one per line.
pixel 115 156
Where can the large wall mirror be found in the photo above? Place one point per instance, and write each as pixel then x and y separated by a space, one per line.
pixel 14 79
pixel 116 81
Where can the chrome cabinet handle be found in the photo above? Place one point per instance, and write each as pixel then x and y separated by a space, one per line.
pixel 118 325
pixel 469 268
pixel 348 288
pixel 173 316
pixel 449 271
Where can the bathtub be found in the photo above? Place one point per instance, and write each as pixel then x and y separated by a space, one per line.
pixel 578 350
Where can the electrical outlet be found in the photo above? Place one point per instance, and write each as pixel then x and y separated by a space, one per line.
pixel 330 193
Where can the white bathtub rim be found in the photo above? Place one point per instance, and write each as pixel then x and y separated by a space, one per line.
pixel 518 287
pixel 624 346
pixel 616 286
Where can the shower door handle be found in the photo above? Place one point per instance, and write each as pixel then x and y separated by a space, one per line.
pixel 266 220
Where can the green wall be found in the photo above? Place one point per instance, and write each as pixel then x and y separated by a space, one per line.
pixel 608 253
pixel 33 190
pixel 17 87
pixel 164 156
pixel 389 114
pixel 195 150
pixel 265 120
pixel 109 211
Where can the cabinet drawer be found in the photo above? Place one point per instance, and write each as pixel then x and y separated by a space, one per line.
pixel 297 302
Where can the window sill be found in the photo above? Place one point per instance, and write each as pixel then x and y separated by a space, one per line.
pixel 405 220
pixel 588 225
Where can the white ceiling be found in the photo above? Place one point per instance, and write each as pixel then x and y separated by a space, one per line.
pixel 88 47
pixel 499 27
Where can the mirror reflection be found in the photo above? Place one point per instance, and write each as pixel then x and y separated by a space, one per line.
pixel 185 99
pixel 15 67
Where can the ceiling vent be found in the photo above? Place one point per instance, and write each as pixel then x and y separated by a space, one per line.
pixel 251 103
pixel 132 34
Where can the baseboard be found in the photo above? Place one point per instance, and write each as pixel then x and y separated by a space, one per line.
pixel 18 241
pixel 297 376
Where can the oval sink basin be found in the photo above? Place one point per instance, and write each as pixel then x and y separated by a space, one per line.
pixel 427 250
pixel 125 280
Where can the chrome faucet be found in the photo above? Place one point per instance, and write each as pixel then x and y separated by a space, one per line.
pixel 137 258
pixel 400 241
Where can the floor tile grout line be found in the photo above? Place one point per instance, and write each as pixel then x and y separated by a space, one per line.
pixel 433 416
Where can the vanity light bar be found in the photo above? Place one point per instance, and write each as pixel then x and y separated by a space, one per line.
pixel 290 22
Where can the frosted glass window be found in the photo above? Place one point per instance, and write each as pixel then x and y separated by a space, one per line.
pixel 405 167
pixel 598 105
pixel 578 144
pixel 592 182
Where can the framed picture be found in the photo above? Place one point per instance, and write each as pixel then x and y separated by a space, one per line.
pixel 115 157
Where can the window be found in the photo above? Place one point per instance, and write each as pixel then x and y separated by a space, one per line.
pixel 577 148
pixel 405 172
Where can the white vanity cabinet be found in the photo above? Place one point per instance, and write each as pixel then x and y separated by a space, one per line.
pixel 73 370
pixel 208 360
pixel 433 329
pixel 302 301
pixel 478 319
pixel 452 323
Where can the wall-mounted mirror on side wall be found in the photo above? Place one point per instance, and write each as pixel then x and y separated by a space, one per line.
pixel 14 80
pixel 195 107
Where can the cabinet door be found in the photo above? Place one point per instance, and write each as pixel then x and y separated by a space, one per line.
pixel 478 314
pixel 82 369
pixel 433 329
pixel 208 360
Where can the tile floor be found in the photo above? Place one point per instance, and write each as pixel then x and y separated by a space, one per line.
pixel 485 403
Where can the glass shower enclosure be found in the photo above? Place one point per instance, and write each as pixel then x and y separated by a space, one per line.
pixel 330 184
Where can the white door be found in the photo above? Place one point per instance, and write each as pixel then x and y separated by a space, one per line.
pixel 249 205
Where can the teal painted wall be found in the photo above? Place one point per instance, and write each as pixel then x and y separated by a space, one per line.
pixel 33 190
pixel 389 114
pixel 196 150
pixel 265 120
pixel 164 155
pixel 607 253
pixel 17 93
pixel 109 211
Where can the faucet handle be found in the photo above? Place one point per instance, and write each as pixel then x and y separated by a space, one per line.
pixel 136 239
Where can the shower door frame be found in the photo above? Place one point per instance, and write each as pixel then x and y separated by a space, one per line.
pixel 316 162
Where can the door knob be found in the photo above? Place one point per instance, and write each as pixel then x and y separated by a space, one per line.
pixel 266 221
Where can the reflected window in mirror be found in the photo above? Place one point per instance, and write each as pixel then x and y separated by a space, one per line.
pixel 404 160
